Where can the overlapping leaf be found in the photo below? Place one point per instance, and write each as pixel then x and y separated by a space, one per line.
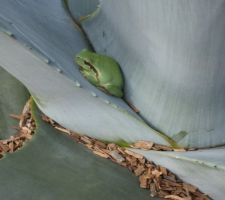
pixel 53 167
pixel 71 106
pixel 203 168
pixel 173 62
pixel 108 118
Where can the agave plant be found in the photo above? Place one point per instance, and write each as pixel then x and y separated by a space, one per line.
pixel 172 60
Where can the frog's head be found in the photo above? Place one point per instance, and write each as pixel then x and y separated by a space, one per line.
pixel 102 71
pixel 84 60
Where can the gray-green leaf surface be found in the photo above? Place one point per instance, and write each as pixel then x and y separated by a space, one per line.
pixel 53 167
pixel 73 107
pixel 21 18
pixel 46 28
pixel 173 59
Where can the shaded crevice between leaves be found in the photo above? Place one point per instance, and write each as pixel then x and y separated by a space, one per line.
pixel 87 16
pixel 78 24
pixel 170 140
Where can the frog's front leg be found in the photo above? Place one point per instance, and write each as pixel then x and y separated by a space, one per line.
pixel 91 77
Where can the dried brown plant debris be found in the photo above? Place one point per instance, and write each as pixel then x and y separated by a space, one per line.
pixel 25 130
pixel 149 145
pixel 157 179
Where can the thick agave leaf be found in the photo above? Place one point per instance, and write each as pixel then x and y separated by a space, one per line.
pixel 203 168
pixel 24 20
pixel 13 96
pixel 53 167
pixel 71 106
pixel 46 27
pixel 173 62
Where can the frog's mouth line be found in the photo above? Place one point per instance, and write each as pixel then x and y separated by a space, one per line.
pixel 92 68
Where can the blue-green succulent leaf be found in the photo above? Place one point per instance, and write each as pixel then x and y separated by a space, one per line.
pixel 53 167
pixel 202 168
pixel 173 61
pixel 70 104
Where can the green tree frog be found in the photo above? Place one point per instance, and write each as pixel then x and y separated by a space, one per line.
pixel 102 71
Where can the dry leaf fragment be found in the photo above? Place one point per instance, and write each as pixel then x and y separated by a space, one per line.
pixel 121 150
pixel 115 155
pixel 86 139
pixel 180 192
pixel 101 154
pixel 180 150
pixel 140 169
pixel 18 117
pixel 171 183
pixel 22 121
pixel 149 165
pixel 4 147
pixel 162 147
pixel 163 170
pixel 75 136
pixel 141 161
pixel 26 108
pixel 153 190
pixel 25 130
pixel 162 193
pixel 11 147
pixel 136 155
pixel 111 146
pixel 105 151
pixel 64 130
pixel 189 187
pixel 149 174
pixel 175 197
pixel 89 146
pixel 157 185
pixel 133 162
pixel 100 144
pixel 170 177
pixel 45 118
pixel 143 181
pixel 28 136
pixel 156 173
pixel 124 164
pixel 143 144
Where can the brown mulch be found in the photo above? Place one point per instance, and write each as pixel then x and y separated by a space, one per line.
pixel 25 130
pixel 157 179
